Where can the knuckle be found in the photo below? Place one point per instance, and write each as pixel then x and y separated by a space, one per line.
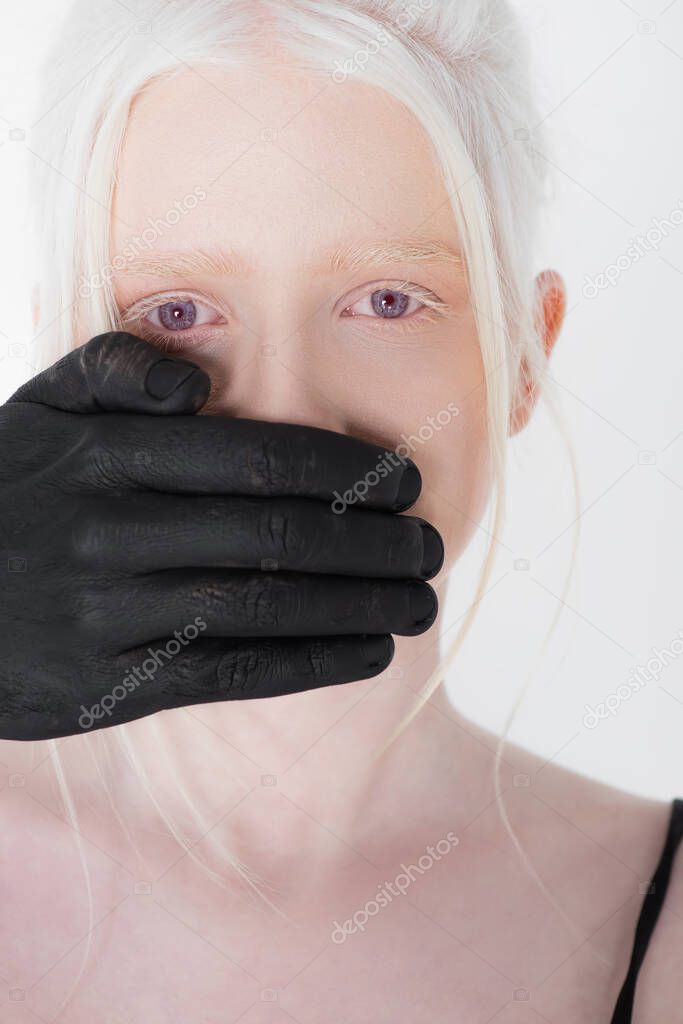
pixel 96 434
pixel 404 547
pixel 104 463
pixel 241 671
pixel 89 537
pixel 266 465
pixel 372 601
pixel 267 602
pixel 90 612
pixel 277 533
pixel 319 660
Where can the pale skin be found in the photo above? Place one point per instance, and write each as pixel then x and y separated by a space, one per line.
pixel 290 783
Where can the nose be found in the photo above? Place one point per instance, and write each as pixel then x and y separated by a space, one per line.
pixel 276 380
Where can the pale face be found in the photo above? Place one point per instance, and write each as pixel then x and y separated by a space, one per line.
pixel 284 335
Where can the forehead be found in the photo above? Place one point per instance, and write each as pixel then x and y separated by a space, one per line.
pixel 283 155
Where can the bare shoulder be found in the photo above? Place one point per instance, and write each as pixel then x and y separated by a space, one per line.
pixel 543 795
pixel 613 842
pixel 632 828
pixel 580 859
pixel 659 989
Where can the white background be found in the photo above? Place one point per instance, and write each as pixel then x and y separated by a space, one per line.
pixel 611 80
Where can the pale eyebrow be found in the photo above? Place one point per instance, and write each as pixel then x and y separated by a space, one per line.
pixel 412 250
pixel 226 263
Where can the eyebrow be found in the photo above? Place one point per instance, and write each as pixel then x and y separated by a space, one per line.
pixel 225 262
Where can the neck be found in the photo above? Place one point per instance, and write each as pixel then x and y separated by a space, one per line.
pixel 270 778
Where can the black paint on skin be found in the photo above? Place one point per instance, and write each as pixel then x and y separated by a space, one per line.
pixel 126 518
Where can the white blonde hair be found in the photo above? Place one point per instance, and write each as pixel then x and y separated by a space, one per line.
pixel 462 68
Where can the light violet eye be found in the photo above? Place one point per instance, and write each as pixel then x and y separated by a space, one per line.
pixel 385 304
pixel 177 315
pixel 389 302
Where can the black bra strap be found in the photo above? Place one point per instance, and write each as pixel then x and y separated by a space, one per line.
pixel 652 904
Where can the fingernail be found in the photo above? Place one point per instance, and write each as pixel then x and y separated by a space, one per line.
pixel 166 376
pixel 432 552
pixel 377 650
pixel 409 488
pixel 423 604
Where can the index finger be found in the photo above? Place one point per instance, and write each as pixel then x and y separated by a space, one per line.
pixel 221 455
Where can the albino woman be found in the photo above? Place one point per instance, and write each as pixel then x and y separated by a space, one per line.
pixel 237 182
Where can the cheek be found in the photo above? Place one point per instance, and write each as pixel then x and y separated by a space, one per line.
pixel 431 406
pixel 456 470
pixel 455 461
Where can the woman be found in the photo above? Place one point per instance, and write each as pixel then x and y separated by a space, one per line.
pixel 339 223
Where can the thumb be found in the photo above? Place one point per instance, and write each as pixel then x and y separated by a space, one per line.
pixel 119 372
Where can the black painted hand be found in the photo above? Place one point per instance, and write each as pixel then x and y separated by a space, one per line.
pixel 152 558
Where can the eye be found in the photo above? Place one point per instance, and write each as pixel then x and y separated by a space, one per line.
pixel 171 314
pixel 399 303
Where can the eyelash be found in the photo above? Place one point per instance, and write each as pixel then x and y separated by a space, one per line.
pixel 434 310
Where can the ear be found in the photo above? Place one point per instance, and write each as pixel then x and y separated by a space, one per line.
pixel 35 305
pixel 551 306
